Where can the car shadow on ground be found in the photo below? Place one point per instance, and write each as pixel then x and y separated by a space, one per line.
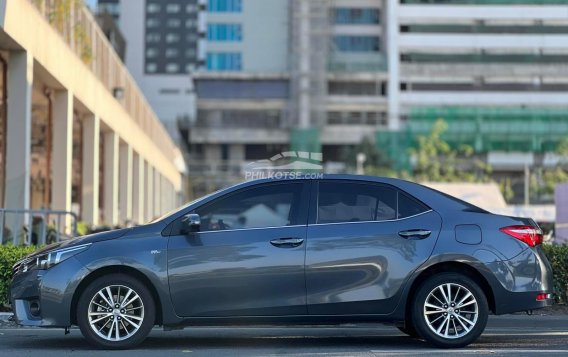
pixel 167 342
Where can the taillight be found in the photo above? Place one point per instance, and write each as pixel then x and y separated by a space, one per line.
pixel 529 234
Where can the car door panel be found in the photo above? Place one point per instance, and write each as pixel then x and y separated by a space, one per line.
pixel 361 267
pixel 226 271
pixel 237 273
pixel 357 268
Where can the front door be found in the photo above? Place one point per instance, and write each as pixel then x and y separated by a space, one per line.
pixel 247 258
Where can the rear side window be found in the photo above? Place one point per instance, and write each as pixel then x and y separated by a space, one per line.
pixel 353 202
pixel 342 202
pixel 408 206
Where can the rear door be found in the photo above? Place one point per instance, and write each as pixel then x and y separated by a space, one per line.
pixel 364 239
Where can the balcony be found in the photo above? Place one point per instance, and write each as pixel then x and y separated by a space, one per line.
pixel 357 62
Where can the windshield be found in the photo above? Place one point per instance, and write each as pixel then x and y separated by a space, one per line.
pixel 181 208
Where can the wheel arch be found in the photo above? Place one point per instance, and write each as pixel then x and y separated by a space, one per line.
pixel 453 267
pixel 116 269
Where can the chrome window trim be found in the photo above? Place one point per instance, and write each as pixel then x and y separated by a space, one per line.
pixel 251 228
pixel 386 220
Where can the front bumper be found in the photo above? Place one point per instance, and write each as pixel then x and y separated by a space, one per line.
pixel 44 297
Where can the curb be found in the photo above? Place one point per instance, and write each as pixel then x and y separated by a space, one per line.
pixel 4 316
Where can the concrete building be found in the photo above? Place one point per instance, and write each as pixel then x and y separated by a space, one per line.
pixel 76 132
pixel 320 75
pixel 162 38
pixel 279 74
pixel 495 71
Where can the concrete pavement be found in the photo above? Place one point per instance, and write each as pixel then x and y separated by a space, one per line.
pixel 518 335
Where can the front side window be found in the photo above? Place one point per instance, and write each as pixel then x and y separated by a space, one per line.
pixel 259 207
pixel 342 202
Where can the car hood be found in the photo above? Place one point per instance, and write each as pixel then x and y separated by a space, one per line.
pixel 90 238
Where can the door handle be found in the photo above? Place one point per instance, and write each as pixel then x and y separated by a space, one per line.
pixel 289 242
pixel 415 234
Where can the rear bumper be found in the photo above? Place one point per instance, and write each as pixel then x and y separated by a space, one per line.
pixel 521 279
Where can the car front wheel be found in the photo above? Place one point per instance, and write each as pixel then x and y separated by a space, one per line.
pixel 450 310
pixel 115 311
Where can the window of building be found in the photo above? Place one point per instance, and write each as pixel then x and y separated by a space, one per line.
pixel 224 32
pixel 190 23
pixel 191 37
pixel 151 67
pixel 153 37
pixel 188 69
pixel 190 8
pixel 348 43
pixel 152 23
pixel 172 37
pixel 169 91
pixel 340 202
pixel 224 61
pixel 267 206
pixel 153 8
pixel 151 52
pixel 174 22
pixel 357 16
pixel 173 8
pixel 190 52
pixel 172 52
pixel 172 68
pixel 225 6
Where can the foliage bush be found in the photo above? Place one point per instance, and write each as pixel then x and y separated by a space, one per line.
pixel 9 255
pixel 558 257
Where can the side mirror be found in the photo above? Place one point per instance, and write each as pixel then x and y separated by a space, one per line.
pixel 191 223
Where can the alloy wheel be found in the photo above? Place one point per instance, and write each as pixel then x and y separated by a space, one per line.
pixel 116 313
pixel 451 310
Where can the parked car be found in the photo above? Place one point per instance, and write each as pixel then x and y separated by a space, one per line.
pixel 304 251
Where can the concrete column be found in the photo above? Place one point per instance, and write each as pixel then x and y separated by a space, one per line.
pixel 157 193
pixel 62 152
pixel 90 189
pixel 125 183
pixel 393 88
pixel 138 190
pixel 19 130
pixel 110 185
pixel 149 192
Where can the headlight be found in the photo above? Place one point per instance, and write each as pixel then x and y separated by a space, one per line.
pixel 49 259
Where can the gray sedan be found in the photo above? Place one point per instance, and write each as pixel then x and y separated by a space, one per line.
pixel 330 250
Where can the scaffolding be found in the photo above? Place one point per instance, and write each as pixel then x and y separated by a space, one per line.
pixel 484 129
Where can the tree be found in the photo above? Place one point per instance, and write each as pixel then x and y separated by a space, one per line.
pixel 437 161
pixel 543 181
pixel 376 164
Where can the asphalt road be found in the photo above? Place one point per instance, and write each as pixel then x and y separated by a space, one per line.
pixel 505 336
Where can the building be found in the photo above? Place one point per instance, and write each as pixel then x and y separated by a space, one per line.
pixel 321 75
pixel 280 75
pixel 162 38
pixel 109 26
pixel 77 134
pixel 495 71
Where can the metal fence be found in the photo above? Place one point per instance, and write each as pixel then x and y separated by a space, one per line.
pixel 36 227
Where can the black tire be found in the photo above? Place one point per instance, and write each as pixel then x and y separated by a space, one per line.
pixel 409 330
pixel 148 317
pixel 419 318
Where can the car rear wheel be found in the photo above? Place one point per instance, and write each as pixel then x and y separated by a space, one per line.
pixel 115 311
pixel 450 310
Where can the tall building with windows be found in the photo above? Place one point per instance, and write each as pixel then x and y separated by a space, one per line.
pixel 162 39
pixel 306 75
